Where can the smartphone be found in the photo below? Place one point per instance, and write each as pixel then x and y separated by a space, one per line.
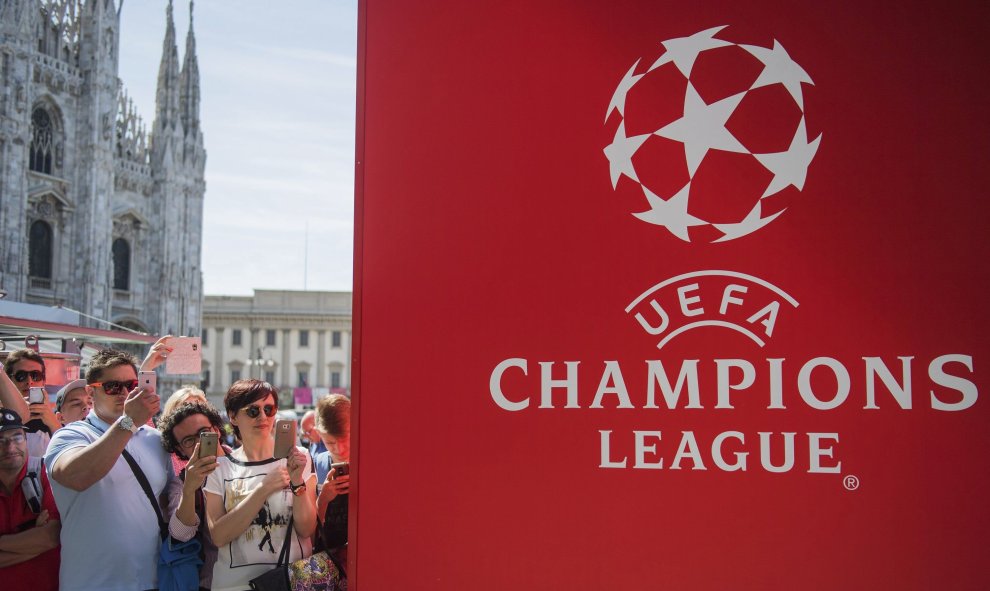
pixel 208 441
pixel 285 437
pixel 147 380
pixel 342 468
pixel 36 394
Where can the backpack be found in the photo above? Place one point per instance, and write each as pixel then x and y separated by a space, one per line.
pixel 31 485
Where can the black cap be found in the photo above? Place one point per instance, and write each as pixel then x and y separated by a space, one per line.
pixel 9 420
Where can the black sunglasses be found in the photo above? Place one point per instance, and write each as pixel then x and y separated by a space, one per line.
pixel 115 387
pixel 34 374
pixel 254 411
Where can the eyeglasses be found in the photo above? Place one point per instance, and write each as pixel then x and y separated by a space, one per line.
pixel 12 440
pixel 114 387
pixel 254 410
pixel 190 442
pixel 34 374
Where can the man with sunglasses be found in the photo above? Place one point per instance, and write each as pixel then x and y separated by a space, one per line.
pixel 110 537
pixel 26 370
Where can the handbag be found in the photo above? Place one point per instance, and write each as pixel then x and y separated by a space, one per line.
pixel 178 562
pixel 319 572
pixel 276 579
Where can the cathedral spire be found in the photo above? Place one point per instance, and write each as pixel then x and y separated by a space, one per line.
pixel 167 98
pixel 189 86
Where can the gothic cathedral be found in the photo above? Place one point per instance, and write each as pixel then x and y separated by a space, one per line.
pixel 96 213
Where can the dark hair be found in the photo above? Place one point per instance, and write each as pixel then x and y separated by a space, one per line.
pixel 108 359
pixel 243 393
pixel 182 412
pixel 333 415
pixel 21 355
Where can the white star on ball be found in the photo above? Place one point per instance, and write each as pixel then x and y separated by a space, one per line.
pixel 620 153
pixel 779 68
pixel 619 97
pixel 702 127
pixel 684 50
pixel 671 214
pixel 751 223
pixel 790 167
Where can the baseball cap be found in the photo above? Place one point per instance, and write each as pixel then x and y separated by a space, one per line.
pixel 60 396
pixel 9 420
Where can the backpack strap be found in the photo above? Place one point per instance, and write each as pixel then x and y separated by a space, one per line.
pixel 31 484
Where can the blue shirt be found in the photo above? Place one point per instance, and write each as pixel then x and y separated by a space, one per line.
pixel 321 465
pixel 316 447
pixel 109 531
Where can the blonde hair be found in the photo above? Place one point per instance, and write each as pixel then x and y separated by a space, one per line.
pixel 181 395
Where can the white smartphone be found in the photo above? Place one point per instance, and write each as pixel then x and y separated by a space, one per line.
pixel 147 380
pixel 36 394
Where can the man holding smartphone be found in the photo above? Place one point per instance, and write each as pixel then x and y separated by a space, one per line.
pixel 101 497
pixel 333 422
pixel 26 370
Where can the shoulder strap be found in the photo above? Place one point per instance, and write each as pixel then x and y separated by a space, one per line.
pixel 143 480
pixel 31 484
pixel 283 556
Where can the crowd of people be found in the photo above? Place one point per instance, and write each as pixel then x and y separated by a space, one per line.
pixel 90 486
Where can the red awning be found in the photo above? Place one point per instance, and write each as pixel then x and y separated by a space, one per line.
pixel 17 328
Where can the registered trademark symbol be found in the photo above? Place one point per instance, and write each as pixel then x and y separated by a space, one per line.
pixel 850 482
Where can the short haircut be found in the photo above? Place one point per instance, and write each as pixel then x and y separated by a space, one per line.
pixel 181 413
pixel 243 393
pixel 180 396
pixel 108 359
pixel 333 415
pixel 21 355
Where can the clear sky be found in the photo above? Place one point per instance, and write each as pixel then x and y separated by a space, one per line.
pixel 277 83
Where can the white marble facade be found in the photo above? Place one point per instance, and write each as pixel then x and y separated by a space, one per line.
pixel 97 213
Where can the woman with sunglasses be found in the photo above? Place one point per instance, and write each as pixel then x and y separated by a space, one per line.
pixel 251 495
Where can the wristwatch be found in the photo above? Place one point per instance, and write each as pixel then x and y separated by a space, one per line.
pixel 297 489
pixel 127 424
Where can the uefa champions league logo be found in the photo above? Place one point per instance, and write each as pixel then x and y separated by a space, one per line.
pixel 731 147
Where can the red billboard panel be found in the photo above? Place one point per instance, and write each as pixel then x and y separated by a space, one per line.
pixel 671 296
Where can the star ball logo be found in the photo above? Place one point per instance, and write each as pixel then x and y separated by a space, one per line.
pixel 713 134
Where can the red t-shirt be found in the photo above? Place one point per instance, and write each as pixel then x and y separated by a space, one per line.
pixel 41 572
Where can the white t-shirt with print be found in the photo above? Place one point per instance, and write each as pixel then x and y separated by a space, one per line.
pixel 256 550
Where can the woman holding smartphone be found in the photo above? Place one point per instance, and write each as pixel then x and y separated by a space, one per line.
pixel 251 495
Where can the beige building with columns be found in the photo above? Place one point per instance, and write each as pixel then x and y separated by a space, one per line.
pixel 291 339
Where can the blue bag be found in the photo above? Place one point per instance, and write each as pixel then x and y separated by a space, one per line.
pixel 178 562
pixel 178 565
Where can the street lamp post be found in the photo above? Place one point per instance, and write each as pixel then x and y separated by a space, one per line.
pixel 261 363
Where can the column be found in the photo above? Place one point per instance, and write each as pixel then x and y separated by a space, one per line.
pixel 255 353
pixel 286 343
pixel 218 364
pixel 321 358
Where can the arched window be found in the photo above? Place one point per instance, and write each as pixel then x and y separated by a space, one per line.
pixel 42 152
pixel 40 250
pixel 121 264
